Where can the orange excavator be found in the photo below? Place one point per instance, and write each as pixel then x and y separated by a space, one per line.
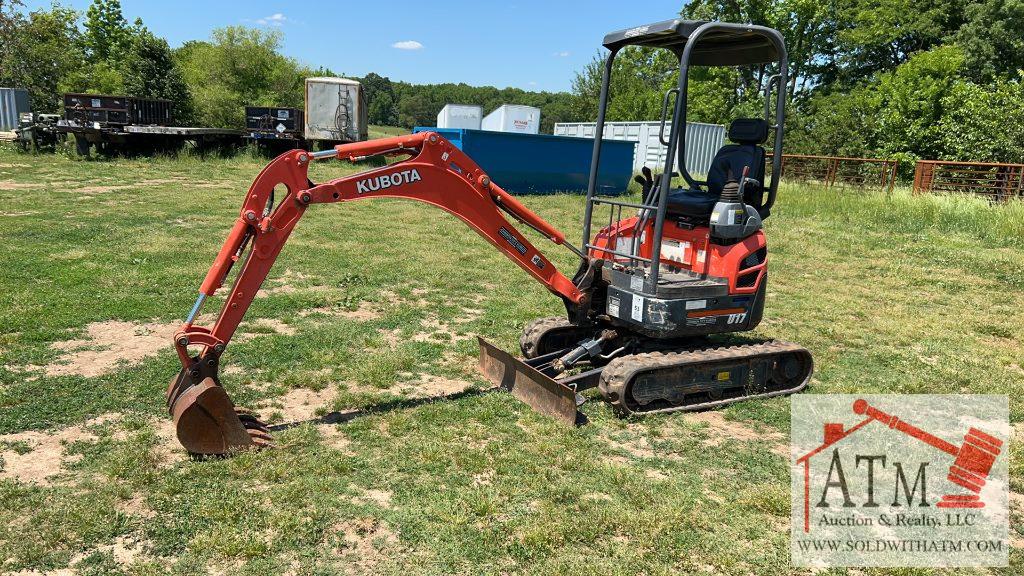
pixel 690 262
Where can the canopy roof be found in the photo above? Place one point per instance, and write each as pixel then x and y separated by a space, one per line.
pixel 736 45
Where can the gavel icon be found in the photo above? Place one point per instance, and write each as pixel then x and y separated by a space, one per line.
pixel 973 459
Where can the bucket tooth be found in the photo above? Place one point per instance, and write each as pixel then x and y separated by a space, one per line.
pixel 208 424
pixel 536 390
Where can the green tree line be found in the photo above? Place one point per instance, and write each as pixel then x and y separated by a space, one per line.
pixel 908 79
pixel 209 82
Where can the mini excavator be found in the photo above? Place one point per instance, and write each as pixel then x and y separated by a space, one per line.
pixel 686 262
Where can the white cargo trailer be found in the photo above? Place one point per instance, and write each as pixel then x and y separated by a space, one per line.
pixel 460 116
pixel 13 103
pixel 702 142
pixel 335 110
pixel 513 118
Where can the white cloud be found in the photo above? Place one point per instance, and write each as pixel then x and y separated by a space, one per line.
pixel 532 82
pixel 562 54
pixel 277 19
pixel 408 45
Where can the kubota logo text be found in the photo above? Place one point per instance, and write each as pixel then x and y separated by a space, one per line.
pixel 385 181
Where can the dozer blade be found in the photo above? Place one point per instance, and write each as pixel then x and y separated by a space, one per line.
pixel 536 390
pixel 206 421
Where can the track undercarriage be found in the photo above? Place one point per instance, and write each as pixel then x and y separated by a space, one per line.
pixel 641 375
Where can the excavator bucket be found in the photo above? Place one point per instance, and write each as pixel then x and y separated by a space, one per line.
pixel 535 389
pixel 206 421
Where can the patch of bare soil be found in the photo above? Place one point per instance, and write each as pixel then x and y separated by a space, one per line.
pixel 636 446
pixel 301 404
pixel 125 550
pixel 21 213
pixel 381 498
pixel 433 329
pixel 655 474
pixel 430 386
pixel 277 326
pixel 363 542
pixel 334 436
pixel 720 430
pixel 108 344
pixel 7 165
pixel 285 284
pixel 167 450
pixel 45 455
pixel 213 185
pixel 9 185
pixel 102 189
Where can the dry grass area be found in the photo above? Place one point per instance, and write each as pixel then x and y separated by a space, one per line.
pixel 392 456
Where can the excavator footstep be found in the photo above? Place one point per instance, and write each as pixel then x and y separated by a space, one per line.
pixel 208 424
pixel 536 390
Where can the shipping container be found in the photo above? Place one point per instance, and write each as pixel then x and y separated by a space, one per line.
pixel 271 122
pixel 106 111
pixel 460 116
pixel 702 142
pixel 13 103
pixel 335 110
pixel 541 163
pixel 513 118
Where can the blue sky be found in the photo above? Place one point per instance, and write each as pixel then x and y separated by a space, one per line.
pixel 528 44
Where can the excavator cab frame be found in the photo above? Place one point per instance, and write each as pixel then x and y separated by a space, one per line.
pixel 695 43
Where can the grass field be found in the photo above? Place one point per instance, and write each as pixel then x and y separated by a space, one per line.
pixel 371 310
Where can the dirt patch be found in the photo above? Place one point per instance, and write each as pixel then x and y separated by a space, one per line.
pixel 301 404
pixel 430 386
pixel 34 457
pixel 17 214
pixel 108 344
pixel 167 451
pixel 44 454
pixel 432 330
pixel 381 498
pixel 136 506
pixel 6 165
pixel 636 446
pixel 103 189
pixel 719 430
pixel 635 441
pixel 274 324
pixel 9 185
pixel 334 436
pixel 655 474
pixel 363 541
pixel 213 185
pixel 285 284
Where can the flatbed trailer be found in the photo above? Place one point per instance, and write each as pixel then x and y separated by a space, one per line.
pixel 147 138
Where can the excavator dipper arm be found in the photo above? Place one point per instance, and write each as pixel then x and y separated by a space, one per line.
pixel 435 172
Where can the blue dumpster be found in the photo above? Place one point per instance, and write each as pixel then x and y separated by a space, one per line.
pixel 541 163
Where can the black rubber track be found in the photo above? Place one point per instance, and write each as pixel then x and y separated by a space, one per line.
pixel 619 374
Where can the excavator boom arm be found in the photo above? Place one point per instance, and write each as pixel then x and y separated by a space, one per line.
pixel 435 172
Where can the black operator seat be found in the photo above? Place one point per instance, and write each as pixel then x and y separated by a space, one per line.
pixel 747 134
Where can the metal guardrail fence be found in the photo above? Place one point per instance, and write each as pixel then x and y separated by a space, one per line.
pixel 998 181
pixel 839 170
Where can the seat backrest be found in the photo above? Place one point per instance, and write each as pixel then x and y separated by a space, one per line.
pixel 748 135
